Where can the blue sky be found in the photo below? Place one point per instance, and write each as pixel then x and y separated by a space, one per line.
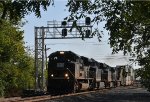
pixel 89 47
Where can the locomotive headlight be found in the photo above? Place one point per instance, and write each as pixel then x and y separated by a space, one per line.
pixel 66 75
pixel 52 75
pixel 61 52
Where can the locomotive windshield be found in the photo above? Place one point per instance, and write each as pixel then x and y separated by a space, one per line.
pixel 59 58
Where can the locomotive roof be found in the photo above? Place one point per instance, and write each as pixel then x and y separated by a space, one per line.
pixel 86 58
pixel 66 53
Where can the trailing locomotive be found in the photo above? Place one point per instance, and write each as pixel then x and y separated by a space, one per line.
pixel 69 72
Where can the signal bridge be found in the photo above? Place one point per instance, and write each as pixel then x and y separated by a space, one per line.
pixel 56 30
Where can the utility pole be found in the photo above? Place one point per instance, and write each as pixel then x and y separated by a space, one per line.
pixel 43 57
pixel 36 60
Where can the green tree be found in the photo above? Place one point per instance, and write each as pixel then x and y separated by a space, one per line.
pixel 14 10
pixel 11 48
pixel 126 21
pixel 26 69
pixel 16 66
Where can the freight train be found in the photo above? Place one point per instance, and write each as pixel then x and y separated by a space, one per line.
pixel 68 72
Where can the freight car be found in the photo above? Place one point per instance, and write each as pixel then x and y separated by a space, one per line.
pixel 69 72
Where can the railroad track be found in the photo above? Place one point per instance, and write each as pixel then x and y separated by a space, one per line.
pixel 46 97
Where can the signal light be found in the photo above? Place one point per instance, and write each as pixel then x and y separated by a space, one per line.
pixel 63 23
pixel 87 20
pixel 64 32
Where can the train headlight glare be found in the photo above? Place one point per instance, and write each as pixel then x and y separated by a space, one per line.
pixel 66 75
pixel 52 75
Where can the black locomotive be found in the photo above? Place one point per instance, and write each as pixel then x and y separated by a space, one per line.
pixel 69 72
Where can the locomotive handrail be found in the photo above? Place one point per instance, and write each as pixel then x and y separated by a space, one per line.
pixel 72 75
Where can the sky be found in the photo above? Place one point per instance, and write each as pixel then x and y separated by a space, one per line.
pixel 91 48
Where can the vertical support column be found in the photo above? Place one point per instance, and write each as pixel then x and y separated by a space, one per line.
pixel 43 57
pixel 46 56
pixel 36 59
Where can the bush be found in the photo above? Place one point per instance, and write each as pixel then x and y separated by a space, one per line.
pixel 2 88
